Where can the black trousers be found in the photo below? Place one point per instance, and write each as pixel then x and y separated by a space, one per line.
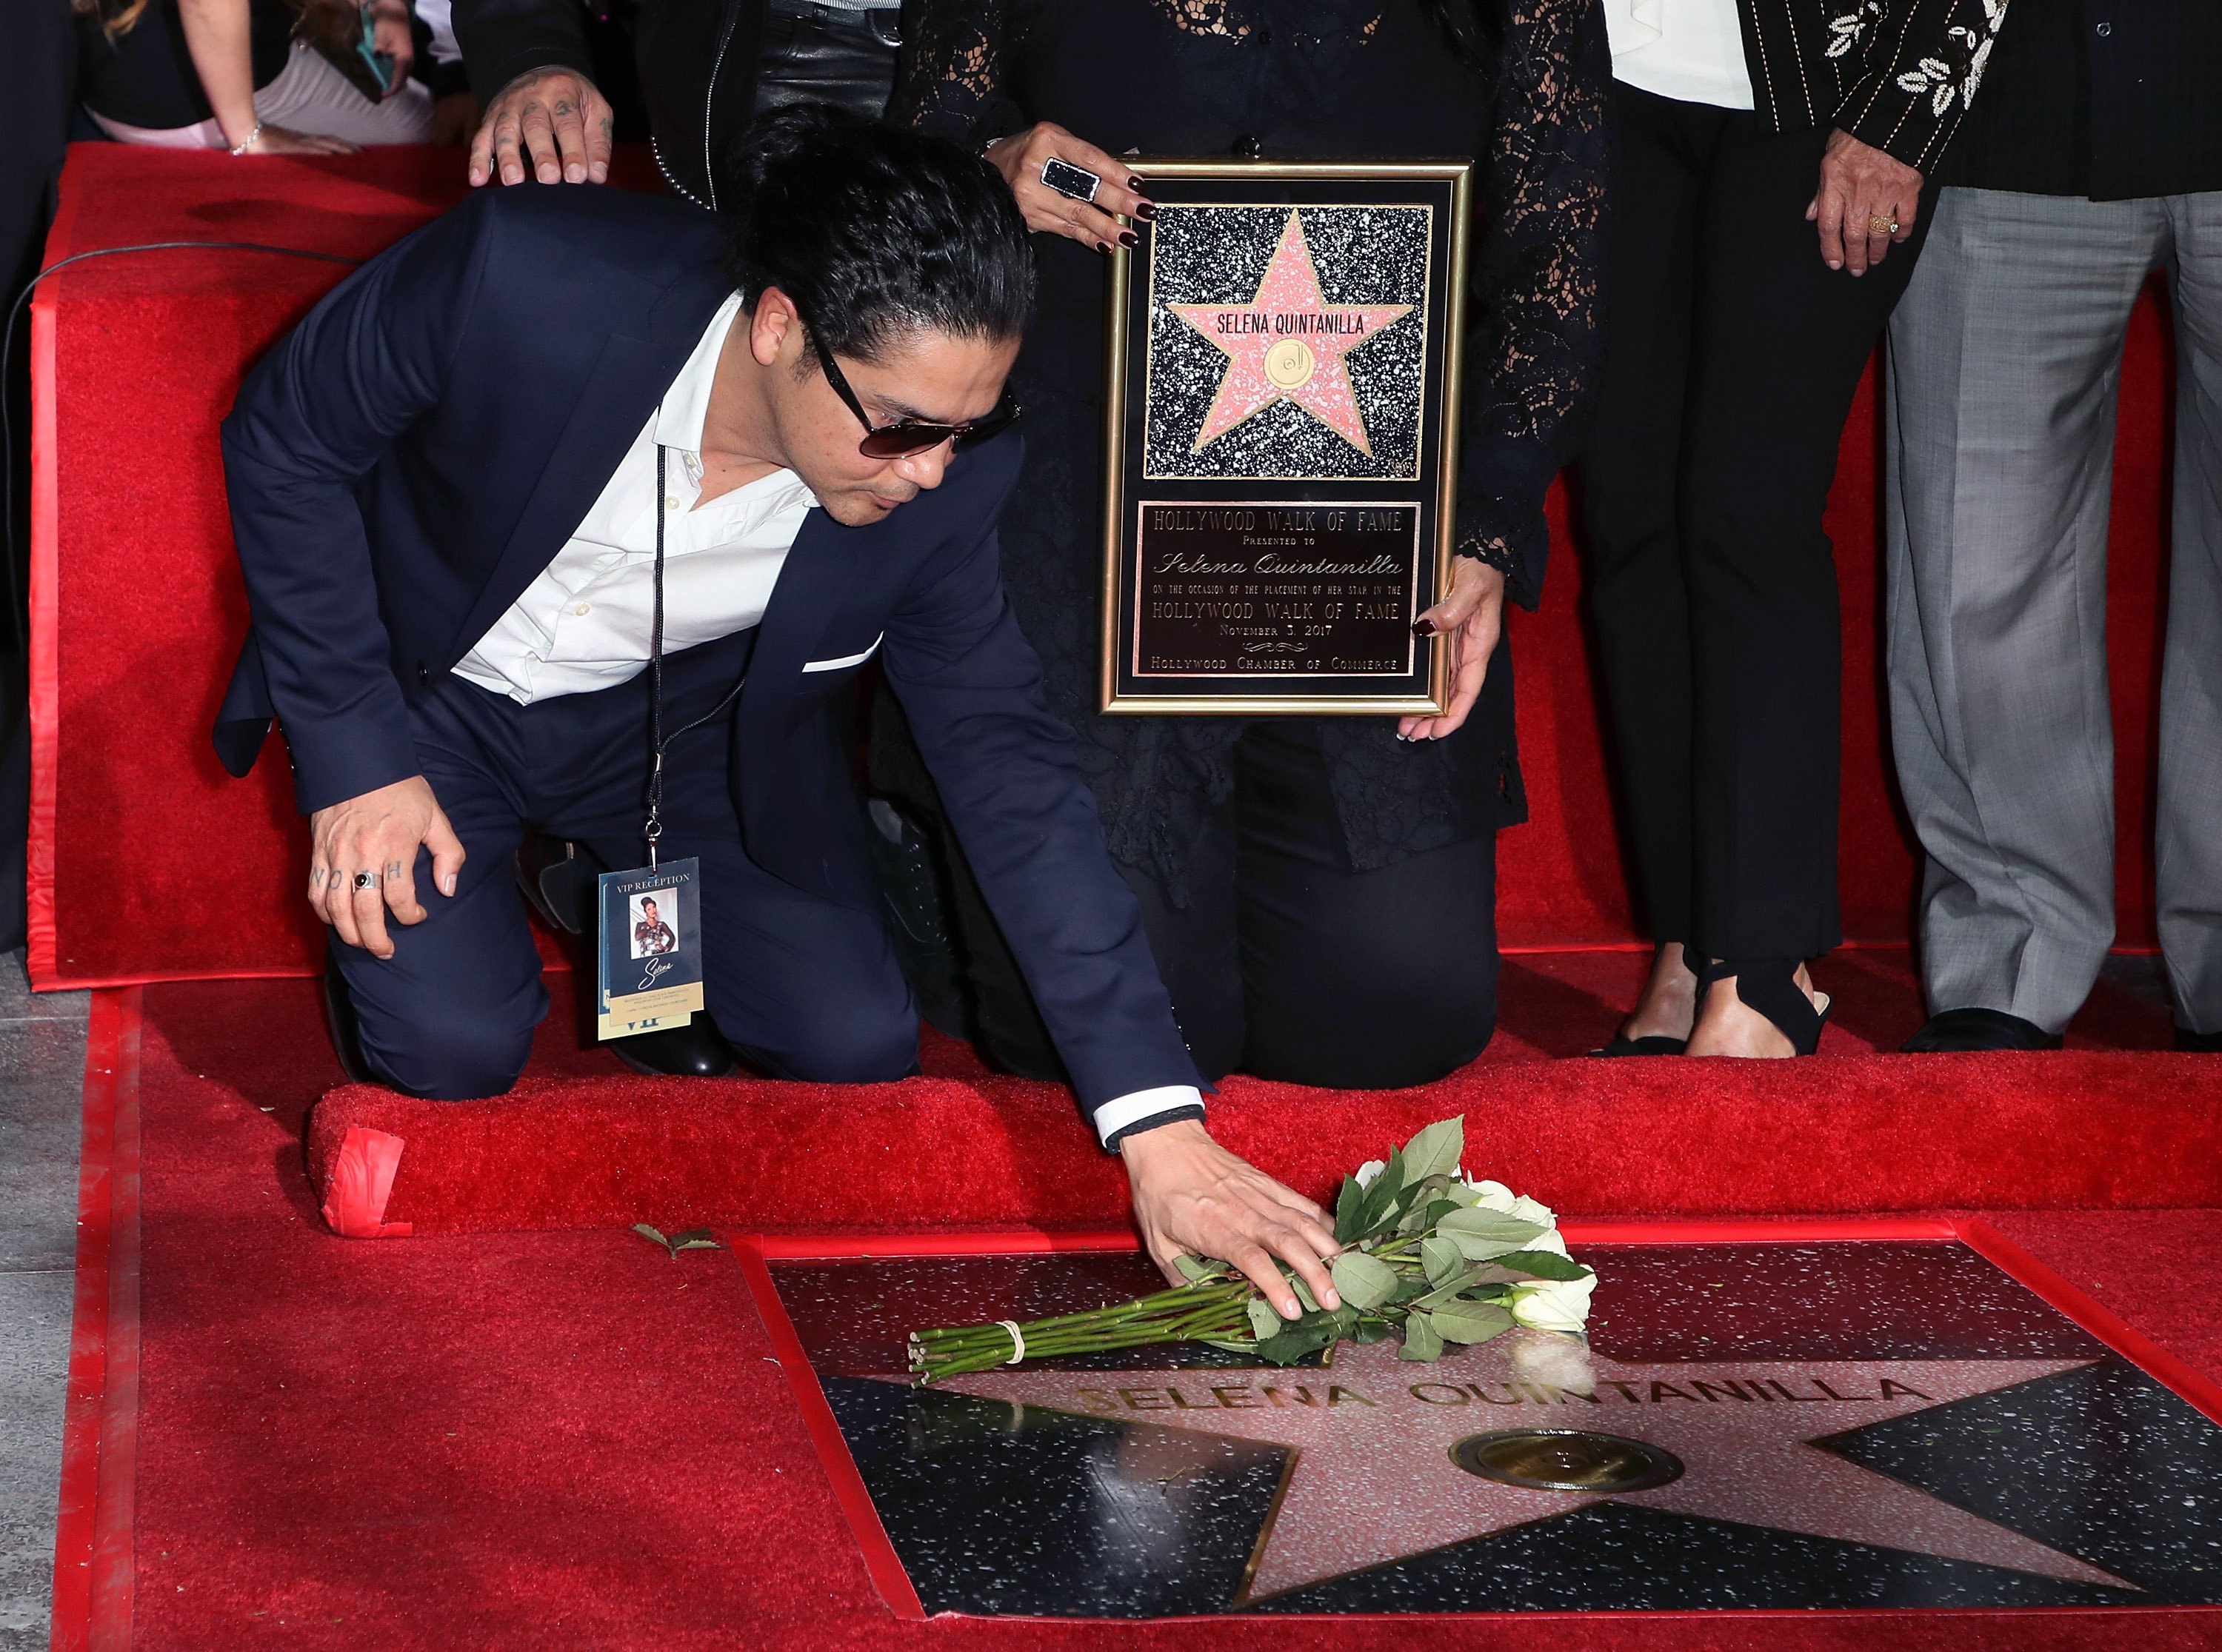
pixel 802 987
pixel 1286 963
pixel 1733 354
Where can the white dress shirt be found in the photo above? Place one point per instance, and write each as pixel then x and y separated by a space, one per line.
pixel 1692 50
pixel 584 624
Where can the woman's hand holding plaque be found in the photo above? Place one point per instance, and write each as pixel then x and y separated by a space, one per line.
pixel 1023 157
pixel 1470 619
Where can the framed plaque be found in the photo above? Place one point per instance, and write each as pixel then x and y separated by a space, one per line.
pixel 1280 433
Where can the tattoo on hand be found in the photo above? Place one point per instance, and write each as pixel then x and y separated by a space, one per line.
pixel 564 106
pixel 393 868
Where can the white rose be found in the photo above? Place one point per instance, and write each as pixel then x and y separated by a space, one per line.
pixel 1369 1170
pixel 1529 1209
pixel 1550 1241
pixel 1490 1195
pixel 1552 1304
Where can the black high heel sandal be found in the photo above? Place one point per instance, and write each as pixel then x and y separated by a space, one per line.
pixel 1656 1043
pixel 1649 1044
pixel 1770 986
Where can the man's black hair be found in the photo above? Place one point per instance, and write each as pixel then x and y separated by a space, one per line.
pixel 874 231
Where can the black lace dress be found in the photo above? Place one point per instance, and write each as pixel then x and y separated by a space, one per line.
pixel 1291 79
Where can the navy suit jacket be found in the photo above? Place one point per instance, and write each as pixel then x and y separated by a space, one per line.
pixel 411 457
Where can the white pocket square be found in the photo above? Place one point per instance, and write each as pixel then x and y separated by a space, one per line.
pixel 847 659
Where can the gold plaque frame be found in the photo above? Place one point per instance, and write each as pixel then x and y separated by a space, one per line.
pixel 1433 490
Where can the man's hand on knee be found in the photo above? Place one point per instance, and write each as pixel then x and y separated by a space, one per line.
pixel 1191 1194
pixel 362 860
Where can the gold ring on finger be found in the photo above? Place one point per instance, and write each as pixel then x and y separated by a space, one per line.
pixel 1879 225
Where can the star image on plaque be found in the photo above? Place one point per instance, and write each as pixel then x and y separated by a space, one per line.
pixel 1838 1424
pixel 1286 343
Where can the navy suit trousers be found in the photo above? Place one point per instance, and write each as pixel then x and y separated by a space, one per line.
pixel 802 987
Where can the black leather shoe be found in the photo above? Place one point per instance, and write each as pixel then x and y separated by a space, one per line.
pixel 2192 1044
pixel 346 1031
pixel 559 881
pixel 693 1051
pixel 1972 1030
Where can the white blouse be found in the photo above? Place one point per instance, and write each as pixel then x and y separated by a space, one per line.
pixel 1690 50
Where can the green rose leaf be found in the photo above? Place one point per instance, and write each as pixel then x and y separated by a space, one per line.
pixel 654 1236
pixel 1464 1322
pixel 1262 1320
pixel 1364 1281
pixel 1479 1223
pixel 1193 1269
pixel 1293 1343
pixel 1349 1212
pixel 1543 1265
pixel 1436 1150
pixel 1370 1331
pixel 1423 1342
pixel 1440 1257
pixel 1303 1291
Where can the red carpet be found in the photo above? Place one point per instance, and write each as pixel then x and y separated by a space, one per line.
pixel 570 1441
pixel 138 610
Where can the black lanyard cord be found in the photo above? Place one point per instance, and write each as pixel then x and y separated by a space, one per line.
pixel 654 827
pixel 658 741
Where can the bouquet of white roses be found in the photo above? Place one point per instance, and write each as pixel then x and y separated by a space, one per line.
pixel 1427 1255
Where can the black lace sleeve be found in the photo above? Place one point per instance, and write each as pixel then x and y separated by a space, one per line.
pixel 1535 287
pixel 950 79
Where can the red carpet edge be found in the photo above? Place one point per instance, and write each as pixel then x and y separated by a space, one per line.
pixel 1832 1134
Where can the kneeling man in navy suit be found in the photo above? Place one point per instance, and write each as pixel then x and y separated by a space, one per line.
pixel 559 432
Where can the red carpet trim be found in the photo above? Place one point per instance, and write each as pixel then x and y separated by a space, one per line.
pixel 93 1562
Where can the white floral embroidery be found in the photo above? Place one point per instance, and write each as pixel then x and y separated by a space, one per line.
pixel 1941 82
pixel 1844 31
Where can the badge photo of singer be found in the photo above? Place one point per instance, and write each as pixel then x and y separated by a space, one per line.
pixel 1281 415
pixel 650 958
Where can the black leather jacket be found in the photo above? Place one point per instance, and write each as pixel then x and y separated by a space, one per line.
pixel 698 62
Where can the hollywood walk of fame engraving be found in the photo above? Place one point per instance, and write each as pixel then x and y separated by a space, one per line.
pixel 1856 1425
pixel 1744 1434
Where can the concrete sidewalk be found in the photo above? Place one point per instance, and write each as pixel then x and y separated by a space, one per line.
pixel 41 1094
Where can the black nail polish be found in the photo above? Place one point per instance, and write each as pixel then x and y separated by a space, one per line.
pixel 1423 628
pixel 1128 238
pixel 1146 212
pixel 1135 184
pixel 1103 248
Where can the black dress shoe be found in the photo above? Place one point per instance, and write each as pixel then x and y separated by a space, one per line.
pixel 1649 1044
pixel 1972 1030
pixel 693 1051
pixel 346 1030
pixel 2192 1044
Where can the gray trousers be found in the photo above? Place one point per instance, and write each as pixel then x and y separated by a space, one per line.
pixel 2005 359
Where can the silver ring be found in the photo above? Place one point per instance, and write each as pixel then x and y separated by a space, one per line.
pixel 366 880
pixel 1074 183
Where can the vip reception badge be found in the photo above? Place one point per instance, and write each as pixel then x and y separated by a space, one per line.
pixel 651 957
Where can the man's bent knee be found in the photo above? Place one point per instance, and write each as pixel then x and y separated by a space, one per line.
pixel 448 1058
pixel 836 1048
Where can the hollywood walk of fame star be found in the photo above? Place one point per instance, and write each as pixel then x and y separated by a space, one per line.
pixel 1373 1480
pixel 1288 344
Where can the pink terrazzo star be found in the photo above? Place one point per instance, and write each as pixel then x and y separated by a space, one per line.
pixel 1372 1479
pixel 1287 345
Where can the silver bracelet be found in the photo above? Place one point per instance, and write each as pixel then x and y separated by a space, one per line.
pixel 247 142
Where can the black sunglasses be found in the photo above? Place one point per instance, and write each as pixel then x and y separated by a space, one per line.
pixel 908 437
